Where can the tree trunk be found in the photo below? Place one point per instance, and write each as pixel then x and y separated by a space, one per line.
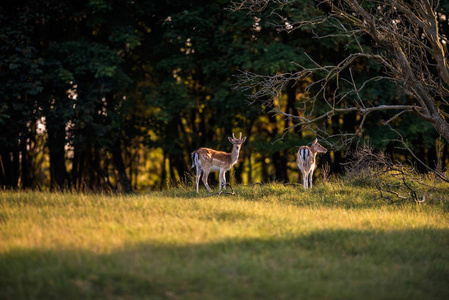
pixel 280 164
pixel 25 163
pixel 177 161
pixel 78 169
pixel 9 168
pixel 59 178
pixel 291 101
pixel 120 166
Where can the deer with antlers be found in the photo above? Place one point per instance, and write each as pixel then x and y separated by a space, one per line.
pixel 306 161
pixel 208 160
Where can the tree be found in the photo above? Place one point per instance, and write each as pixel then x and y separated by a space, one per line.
pixel 21 69
pixel 116 82
pixel 190 93
pixel 402 39
pixel 63 63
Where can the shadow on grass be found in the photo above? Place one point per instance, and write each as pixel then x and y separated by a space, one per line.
pixel 329 264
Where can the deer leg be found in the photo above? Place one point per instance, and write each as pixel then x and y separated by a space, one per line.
pixel 224 180
pixel 304 180
pixel 307 181
pixel 220 179
pixel 310 178
pixel 204 178
pixel 197 179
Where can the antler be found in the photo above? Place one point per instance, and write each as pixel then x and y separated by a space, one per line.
pixel 239 140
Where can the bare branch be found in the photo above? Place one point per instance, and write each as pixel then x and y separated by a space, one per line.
pixel 222 192
pixel 408 46
pixel 407 147
pixel 394 181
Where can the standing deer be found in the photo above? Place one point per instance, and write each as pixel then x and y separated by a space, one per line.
pixel 207 160
pixel 306 161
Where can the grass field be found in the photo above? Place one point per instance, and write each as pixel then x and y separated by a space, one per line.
pixel 267 242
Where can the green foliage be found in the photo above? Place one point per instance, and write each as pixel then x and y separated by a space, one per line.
pixel 108 76
pixel 100 6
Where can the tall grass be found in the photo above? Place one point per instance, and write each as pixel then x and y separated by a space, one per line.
pixel 267 242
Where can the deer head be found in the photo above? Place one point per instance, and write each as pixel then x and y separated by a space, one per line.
pixel 237 142
pixel 317 148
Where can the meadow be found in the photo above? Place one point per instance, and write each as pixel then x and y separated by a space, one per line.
pixel 337 241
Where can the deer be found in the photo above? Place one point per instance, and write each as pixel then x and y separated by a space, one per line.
pixel 208 160
pixel 306 161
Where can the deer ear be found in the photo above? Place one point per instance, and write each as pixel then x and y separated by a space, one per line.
pixel 244 139
pixel 315 141
pixel 231 139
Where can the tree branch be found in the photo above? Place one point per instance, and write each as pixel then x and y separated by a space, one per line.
pixel 407 46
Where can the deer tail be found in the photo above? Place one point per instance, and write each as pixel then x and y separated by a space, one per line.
pixel 194 156
pixel 304 155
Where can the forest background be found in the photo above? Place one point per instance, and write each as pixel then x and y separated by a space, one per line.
pixel 115 95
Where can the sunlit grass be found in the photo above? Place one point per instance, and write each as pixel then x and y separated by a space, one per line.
pixel 273 241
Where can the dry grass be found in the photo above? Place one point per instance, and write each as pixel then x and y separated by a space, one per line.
pixel 267 242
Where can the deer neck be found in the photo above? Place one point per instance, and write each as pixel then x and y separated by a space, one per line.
pixel 312 154
pixel 234 155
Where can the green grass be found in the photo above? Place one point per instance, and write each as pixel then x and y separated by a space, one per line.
pixel 267 242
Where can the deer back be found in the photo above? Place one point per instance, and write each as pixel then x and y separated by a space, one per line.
pixel 209 157
pixel 305 158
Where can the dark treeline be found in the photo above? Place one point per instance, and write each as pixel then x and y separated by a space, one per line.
pixel 114 95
